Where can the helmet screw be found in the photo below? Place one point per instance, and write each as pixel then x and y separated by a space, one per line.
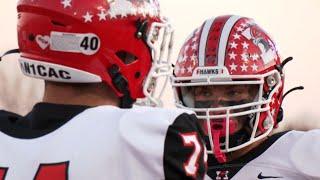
pixel 267 123
pixel 271 81
pixel 139 35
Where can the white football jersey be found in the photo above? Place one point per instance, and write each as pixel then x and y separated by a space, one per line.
pixel 292 155
pixel 106 142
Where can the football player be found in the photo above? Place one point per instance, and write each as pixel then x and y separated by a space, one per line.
pixel 230 73
pixel 97 57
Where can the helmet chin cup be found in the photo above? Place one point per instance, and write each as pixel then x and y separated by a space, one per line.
pixel 222 126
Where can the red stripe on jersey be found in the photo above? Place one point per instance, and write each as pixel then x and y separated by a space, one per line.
pixel 53 171
pixel 3 172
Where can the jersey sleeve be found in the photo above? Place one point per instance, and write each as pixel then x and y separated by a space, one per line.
pixel 305 154
pixel 185 154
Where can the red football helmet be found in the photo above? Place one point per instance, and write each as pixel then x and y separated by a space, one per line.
pixel 123 43
pixel 231 51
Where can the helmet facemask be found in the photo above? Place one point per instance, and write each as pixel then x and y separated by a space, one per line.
pixel 231 51
pixel 230 124
pixel 160 40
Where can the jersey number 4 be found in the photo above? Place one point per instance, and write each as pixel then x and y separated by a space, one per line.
pixel 45 172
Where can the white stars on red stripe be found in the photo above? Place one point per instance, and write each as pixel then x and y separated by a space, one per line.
pixel 194 58
pixel 66 3
pixel 233 45
pixel 190 68
pixel 254 67
pixel 111 9
pixel 244 56
pixel 188 57
pixel 87 17
pixel 255 57
pixel 236 36
pixel 233 67
pixel 102 15
pixel 240 29
pixel 245 45
pixel 112 14
pixel 232 55
pixel 272 101
pixel 184 58
pixel 244 67
pixel 195 46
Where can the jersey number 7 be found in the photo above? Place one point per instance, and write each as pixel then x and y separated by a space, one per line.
pixel 192 165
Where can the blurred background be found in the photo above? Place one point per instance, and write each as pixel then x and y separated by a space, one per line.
pixel 293 24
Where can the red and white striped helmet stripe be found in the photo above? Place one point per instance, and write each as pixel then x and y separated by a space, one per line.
pixel 224 38
pixel 212 53
pixel 203 41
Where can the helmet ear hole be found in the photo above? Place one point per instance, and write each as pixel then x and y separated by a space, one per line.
pixel 137 75
pixel 32 37
pixel 280 115
pixel 126 57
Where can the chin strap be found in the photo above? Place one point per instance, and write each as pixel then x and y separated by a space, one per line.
pixel 121 84
pixel 13 51
pixel 218 130
pixel 291 90
pixel 280 113
pixel 280 69
pixel 219 155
